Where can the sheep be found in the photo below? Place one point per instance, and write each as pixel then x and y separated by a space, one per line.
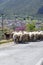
pixel 20 36
pixel 16 36
pixel 39 36
pixel 32 36
pixel 27 36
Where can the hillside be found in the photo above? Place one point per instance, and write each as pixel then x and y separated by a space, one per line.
pixel 21 7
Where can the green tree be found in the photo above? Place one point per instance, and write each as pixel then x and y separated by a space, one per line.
pixel 30 27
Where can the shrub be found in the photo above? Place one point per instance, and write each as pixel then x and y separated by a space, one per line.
pixel 30 27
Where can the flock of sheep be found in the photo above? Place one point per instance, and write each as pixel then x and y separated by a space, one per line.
pixel 21 37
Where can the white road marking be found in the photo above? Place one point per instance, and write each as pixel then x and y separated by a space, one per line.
pixel 40 62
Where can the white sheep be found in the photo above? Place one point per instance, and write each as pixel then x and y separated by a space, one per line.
pixel 32 36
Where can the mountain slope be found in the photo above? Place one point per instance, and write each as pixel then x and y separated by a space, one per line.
pixel 21 7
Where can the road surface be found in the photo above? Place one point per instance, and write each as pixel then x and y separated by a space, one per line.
pixel 21 54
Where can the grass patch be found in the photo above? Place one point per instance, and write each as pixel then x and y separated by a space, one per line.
pixel 6 41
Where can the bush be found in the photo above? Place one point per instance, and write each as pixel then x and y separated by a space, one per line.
pixel 30 27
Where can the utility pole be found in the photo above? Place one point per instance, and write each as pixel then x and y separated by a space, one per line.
pixel 2 22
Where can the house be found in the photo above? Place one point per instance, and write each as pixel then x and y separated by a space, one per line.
pixel 38 24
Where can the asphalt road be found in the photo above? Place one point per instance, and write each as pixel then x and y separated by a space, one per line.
pixel 21 54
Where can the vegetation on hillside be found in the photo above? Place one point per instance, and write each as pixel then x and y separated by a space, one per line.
pixel 21 7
